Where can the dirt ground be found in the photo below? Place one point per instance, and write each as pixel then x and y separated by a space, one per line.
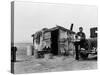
pixel 28 64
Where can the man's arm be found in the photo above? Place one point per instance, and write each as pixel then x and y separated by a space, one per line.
pixel 80 35
pixel 84 36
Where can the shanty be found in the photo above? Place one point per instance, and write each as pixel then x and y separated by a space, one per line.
pixel 55 41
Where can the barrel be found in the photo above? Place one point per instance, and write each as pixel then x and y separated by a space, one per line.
pixel 29 50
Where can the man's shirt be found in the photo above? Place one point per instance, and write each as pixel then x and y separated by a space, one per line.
pixel 81 34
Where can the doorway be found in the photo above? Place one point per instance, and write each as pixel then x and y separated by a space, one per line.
pixel 54 42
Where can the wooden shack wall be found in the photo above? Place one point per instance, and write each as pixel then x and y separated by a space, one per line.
pixel 65 45
pixel 47 39
pixel 44 42
pixel 37 46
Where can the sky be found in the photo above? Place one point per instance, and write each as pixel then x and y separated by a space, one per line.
pixel 30 17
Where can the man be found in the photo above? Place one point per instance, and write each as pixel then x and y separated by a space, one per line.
pixel 80 40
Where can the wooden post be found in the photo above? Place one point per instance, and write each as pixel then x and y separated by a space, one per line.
pixel 13 54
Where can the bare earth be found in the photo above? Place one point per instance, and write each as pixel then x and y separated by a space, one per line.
pixel 28 64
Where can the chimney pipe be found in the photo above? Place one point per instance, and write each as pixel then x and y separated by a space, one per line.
pixel 71 28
